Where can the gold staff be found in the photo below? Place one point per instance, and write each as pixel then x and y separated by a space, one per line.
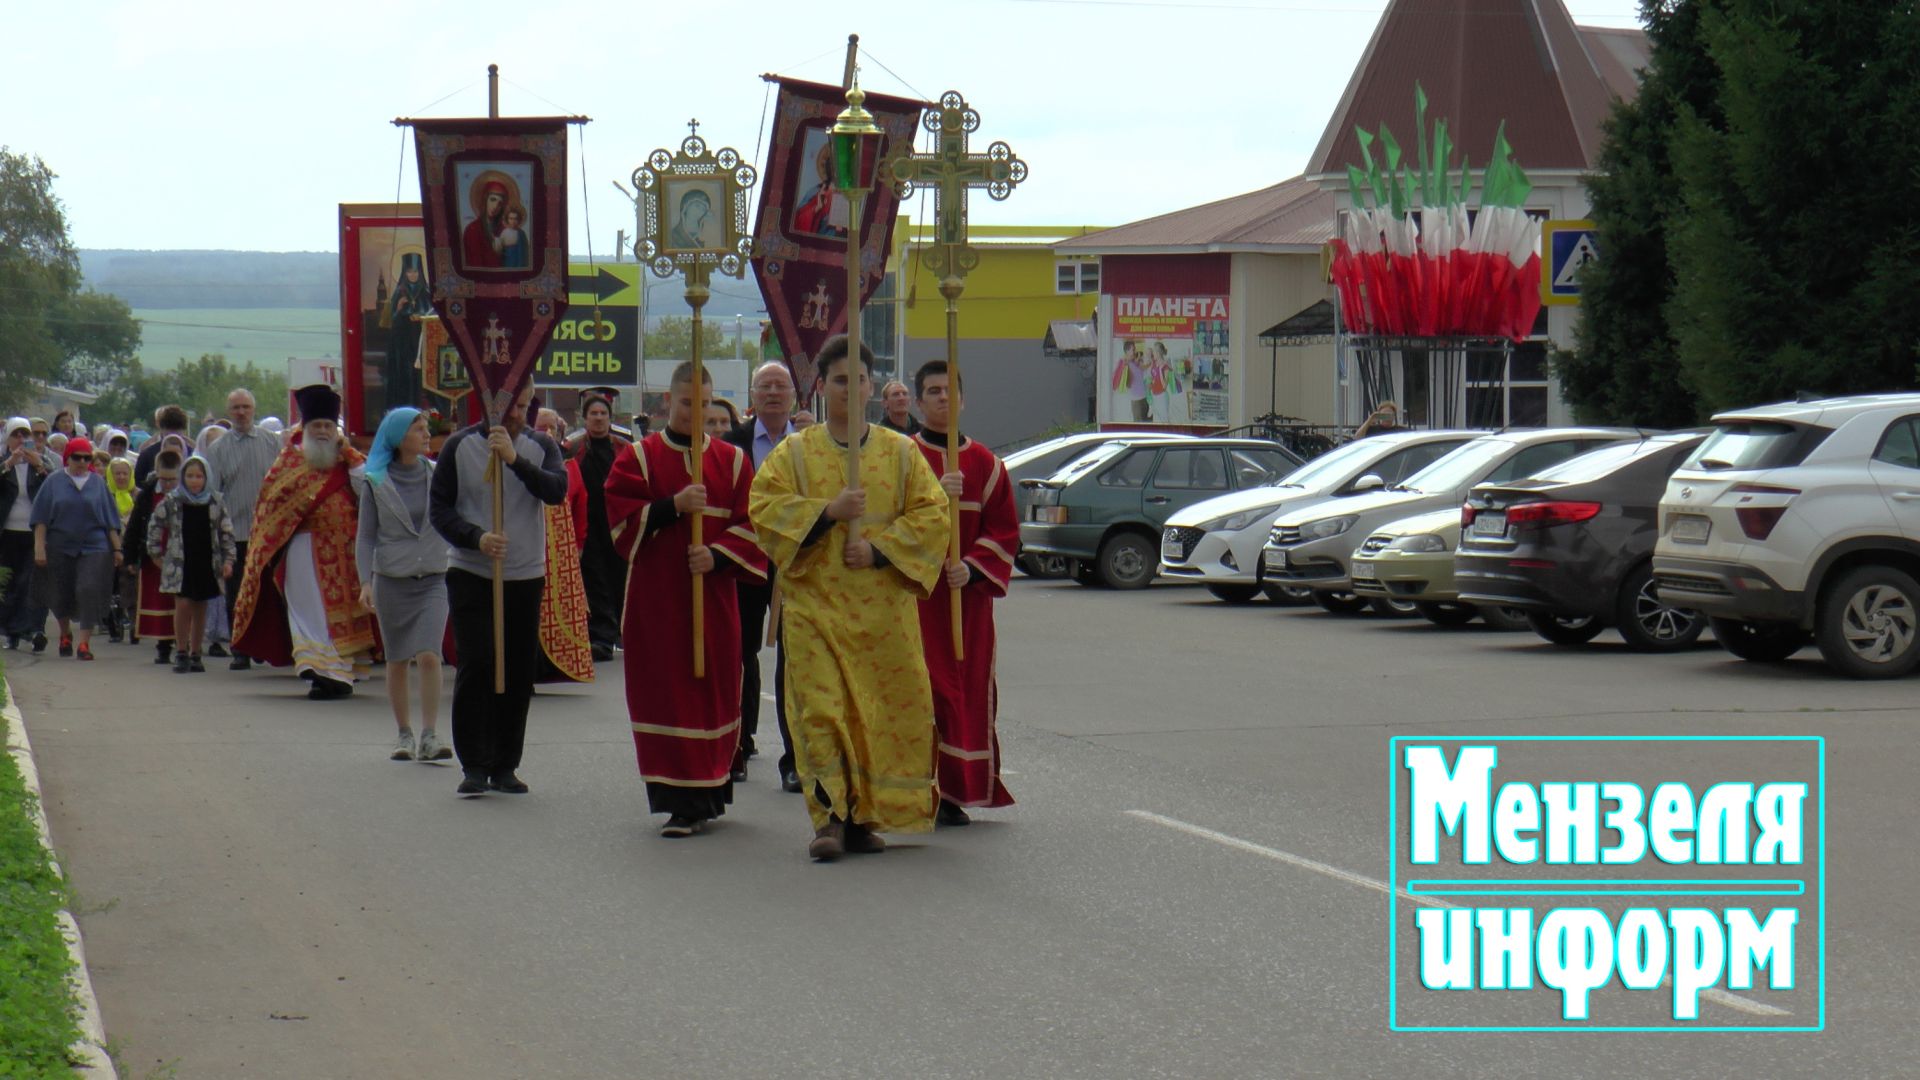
pixel 951 171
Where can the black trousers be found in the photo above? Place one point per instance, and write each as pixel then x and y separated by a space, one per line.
pixel 604 576
pixel 755 598
pixel 16 601
pixel 490 729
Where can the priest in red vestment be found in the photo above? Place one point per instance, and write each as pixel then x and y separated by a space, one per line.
pixel 299 601
pixel 686 730
pixel 966 700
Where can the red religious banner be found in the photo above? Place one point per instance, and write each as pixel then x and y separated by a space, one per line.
pixel 495 199
pixel 800 243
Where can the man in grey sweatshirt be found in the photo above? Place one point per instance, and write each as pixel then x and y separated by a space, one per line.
pixel 489 729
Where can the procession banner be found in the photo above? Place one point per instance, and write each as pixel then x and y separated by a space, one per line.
pixel 800 239
pixel 1170 365
pixel 495 213
pixel 383 297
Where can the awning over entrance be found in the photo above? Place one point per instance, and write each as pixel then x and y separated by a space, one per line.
pixel 1312 326
pixel 1065 337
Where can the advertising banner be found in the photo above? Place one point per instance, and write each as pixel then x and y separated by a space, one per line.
pixel 1169 361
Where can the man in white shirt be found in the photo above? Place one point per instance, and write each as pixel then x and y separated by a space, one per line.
pixel 238 463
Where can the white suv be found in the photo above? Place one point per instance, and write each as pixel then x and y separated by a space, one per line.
pixel 1799 522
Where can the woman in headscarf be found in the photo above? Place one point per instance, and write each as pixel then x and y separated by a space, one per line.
pixel 76 544
pixel 194 536
pixel 402 561
pixel 215 617
pixel 126 582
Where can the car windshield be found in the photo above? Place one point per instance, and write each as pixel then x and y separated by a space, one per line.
pixel 1755 444
pixel 1459 468
pixel 1595 464
pixel 1329 466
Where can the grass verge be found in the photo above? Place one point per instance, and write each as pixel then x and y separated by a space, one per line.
pixel 37 1011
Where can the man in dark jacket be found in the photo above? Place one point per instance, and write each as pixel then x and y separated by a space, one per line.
pixel 170 420
pixel 602 570
pixel 21 473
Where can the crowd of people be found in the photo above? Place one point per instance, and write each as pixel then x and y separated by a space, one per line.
pixel 291 548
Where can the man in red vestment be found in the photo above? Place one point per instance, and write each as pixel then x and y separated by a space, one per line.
pixel 686 730
pixel 966 701
pixel 299 600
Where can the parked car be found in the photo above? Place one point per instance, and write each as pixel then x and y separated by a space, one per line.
pixel 1042 460
pixel 1106 510
pixel 1800 522
pixel 1410 561
pixel 1313 546
pixel 1217 542
pixel 1572 547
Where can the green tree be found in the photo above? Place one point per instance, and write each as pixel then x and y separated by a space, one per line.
pixel 38 271
pixel 199 386
pixel 1794 249
pixel 671 338
pixel 98 338
pixel 1626 367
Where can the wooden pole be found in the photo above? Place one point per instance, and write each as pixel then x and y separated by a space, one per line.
pixel 697 296
pixel 856 405
pixel 497 469
pixel 950 288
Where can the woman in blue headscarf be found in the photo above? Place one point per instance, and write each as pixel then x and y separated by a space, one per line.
pixel 403 573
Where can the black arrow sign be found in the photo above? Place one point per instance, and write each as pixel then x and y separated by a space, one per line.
pixel 603 284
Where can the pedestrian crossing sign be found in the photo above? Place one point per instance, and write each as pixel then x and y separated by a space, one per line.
pixel 1568 246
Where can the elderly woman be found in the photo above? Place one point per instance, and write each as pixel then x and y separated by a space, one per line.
pixel 76 545
pixel 403 574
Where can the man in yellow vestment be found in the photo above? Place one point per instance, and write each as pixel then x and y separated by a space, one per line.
pixel 853 565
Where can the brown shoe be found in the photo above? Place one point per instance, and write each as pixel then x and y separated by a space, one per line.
pixel 864 841
pixel 828 843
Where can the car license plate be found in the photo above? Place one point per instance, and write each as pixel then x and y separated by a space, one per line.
pixel 1365 572
pixel 1490 523
pixel 1689 529
pixel 1171 551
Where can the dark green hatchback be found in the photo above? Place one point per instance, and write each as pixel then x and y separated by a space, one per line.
pixel 1105 511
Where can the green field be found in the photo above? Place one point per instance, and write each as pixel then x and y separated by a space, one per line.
pixel 264 336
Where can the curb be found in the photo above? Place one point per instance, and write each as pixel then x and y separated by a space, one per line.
pixel 90 1051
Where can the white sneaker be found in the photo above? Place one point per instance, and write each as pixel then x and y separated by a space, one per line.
pixel 402 747
pixel 432 749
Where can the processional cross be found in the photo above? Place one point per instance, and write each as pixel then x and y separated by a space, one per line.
pixel 951 171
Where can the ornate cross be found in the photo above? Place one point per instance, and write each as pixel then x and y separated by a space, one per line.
pixel 950 171
pixel 693 127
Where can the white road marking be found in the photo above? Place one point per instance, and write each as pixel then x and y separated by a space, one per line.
pixel 1730 1000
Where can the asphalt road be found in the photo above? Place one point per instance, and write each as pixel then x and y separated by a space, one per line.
pixel 1182 891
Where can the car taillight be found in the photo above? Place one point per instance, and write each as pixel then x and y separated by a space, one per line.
pixel 1544 514
pixel 1467 513
pixel 1758 521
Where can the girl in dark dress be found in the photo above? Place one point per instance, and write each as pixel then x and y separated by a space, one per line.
pixel 198 556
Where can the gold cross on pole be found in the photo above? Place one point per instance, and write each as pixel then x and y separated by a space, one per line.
pixel 951 172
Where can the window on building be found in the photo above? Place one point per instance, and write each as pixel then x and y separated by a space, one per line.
pixel 1076 277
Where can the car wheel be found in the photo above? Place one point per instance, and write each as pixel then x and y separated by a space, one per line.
pixel 1447 614
pixel 1127 561
pixel 1565 629
pixel 1235 594
pixel 1341 603
pixel 1648 624
pixel 1869 623
pixel 1288 595
pixel 1762 643
pixel 1393 609
pixel 1504 618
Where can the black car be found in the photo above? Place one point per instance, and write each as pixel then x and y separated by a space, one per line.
pixel 1573 546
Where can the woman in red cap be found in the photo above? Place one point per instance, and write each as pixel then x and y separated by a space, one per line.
pixel 76 545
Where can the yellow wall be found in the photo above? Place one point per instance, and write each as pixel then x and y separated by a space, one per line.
pixel 1009 295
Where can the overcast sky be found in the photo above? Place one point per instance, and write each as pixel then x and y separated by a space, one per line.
pixel 222 124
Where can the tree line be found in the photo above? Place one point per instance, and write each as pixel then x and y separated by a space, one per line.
pixel 1756 214
pixel 54 330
